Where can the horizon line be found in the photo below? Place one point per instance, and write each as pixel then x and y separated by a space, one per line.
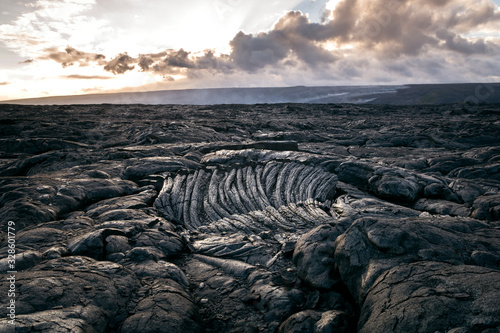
pixel 7 101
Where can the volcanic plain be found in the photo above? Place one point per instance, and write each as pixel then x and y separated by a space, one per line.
pixel 250 218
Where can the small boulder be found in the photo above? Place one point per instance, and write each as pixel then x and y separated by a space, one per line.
pixel 487 207
pixel 395 188
pixel 92 244
pixel 355 173
pixel 442 207
pixel 313 256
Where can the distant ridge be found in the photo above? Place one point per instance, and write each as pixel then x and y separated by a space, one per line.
pixel 473 93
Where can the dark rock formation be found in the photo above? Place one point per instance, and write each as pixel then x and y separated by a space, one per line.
pixel 433 297
pixel 263 218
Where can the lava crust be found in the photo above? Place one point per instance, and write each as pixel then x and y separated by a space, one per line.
pixel 251 218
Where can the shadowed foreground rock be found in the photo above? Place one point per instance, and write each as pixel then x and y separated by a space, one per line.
pixel 263 218
pixel 433 297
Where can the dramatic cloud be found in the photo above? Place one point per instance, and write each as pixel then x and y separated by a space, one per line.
pixel 397 27
pixel 146 60
pixel 462 45
pixel 294 36
pixel 120 64
pixel 170 62
pixel 70 56
pixel 355 42
pixel 374 29
pixel 175 62
pixel 382 28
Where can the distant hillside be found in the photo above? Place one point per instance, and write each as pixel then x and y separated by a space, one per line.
pixel 395 95
pixel 442 94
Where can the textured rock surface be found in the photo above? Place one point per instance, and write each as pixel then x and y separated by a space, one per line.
pixel 433 297
pixel 264 218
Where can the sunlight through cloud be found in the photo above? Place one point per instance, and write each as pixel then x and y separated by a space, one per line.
pixel 169 44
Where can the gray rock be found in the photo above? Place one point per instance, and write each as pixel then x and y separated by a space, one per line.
pixel 85 318
pixel 159 269
pixel 38 204
pixel 135 201
pixel 117 244
pixel 23 260
pixel 334 321
pixel 227 228
pixel 356 173
pixel 27 213
pixel 487 207
pixel 127 214
pixel 471 173
pixel 141 254
pixel 25 166
pixel 486 259
pixel 442 207
pixel 441 191
pixel 467 190
pixel 168 242
pixel 40 238
pixel 140 168
pixel 395 188
pixel 96 292
pixel 56 252
pixel 167 308
pixel 370 246
pixel 265 196
pixel 93 244
pixel 432 297
pixel 300 322
pixel 251 249
pixel 313 257
pixel 317 322
pixel 129 227
pixel 98 174
pixel 100 189
pixel 446 164
pixel 355 206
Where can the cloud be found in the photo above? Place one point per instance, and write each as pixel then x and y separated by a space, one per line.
pixel 178 58
pixel 370 40
pixel 462 45
pixel 71 56
pixel 120 64
pixel 475 15
pixel 397 27
pixel 294 36
pixel 252 53
pixel 50 24
pixel 146 60
pixel 85 77
pixel 4 83
pixel 170 62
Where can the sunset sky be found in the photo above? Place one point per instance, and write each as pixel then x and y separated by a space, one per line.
pixel 69 47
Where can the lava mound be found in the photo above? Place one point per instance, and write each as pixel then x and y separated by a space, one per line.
pixel 275 196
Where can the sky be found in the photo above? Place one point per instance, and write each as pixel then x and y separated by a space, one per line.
pixel 73 47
